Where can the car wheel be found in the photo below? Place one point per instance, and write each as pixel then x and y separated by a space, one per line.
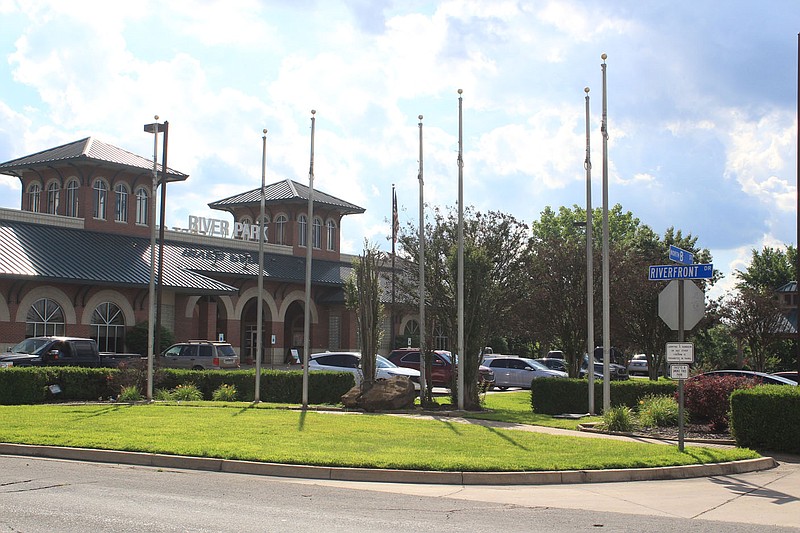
pixel 198 367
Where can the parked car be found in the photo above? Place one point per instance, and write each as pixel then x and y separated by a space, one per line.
pixel 794 375
pixel 512 371
pixel 761 377
pixel 553 363
pixel 52 351
pixel 638 365
pixel 441 366
pixel 351 362
pixel 199 355
pixel 617 372
pixel 555 354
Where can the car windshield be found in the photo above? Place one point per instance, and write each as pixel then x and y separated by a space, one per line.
pixel 536 364
pixel 30 346
pixel 382 362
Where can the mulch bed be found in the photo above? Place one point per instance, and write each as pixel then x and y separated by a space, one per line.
pixel 690 431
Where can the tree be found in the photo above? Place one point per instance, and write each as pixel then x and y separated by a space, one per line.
pixel 754 316
pixel 136 339
pixel 363 293
pixel 769 269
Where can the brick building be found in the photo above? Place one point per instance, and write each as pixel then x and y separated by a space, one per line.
pixel 75 259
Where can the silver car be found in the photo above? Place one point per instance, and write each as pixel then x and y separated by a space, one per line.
pixel 510 371
pixel 351 362
pixel 200 355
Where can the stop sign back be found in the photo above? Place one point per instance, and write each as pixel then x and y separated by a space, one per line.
pixel 694 304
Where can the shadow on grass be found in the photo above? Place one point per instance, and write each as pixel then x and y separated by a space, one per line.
pixel 106 410
pixel 301 422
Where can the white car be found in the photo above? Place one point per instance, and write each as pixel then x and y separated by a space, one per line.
pixel 510 371
pixel 351 362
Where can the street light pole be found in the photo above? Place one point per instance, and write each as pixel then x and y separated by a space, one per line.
pixel 309 223
pixel 159 280
pixel 153 128
pixel 423 385
pixel 461 360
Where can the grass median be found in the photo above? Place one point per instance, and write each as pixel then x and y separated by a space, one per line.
pixel 238 431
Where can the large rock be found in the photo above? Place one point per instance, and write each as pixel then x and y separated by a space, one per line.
pixel 385 395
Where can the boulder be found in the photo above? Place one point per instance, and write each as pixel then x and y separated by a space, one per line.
pixel 385 395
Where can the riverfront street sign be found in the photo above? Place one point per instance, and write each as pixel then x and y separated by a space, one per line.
pixel 679 255
pixel 668 272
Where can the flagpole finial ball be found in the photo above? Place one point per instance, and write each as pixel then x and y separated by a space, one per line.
pixel 420 117
pixel 586 90
pixel 460 91
pixel 603 57
pixel 265 131
pixel 156 117
pixel 313 111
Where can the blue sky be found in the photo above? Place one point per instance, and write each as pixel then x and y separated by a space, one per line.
pixel 701 103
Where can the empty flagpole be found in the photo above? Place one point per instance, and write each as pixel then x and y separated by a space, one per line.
pixel 462 356
pixel 606 274
pixel 589 260
pixel 395 224
pixel 422 367
pixel 260 307
pixel 309 224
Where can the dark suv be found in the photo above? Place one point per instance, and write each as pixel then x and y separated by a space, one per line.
pixel 441 366
pixel 200 355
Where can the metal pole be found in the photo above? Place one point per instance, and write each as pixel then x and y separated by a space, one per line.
pixel 151 297
pixel 309 224
pixel 422 378
pixel 260 306
pixel 681 334
pixel 797 214
pixel 462 355
pixel 589 262
pixel 606 274
pixel 159 282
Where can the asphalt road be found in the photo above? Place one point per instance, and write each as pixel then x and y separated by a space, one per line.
pixel 71 496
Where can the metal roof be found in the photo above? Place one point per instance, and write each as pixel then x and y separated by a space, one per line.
pixel 286 191
pixel 76 255
pixel 88 150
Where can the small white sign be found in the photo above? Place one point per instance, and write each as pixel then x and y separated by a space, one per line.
pixel 679 371
pixel 680 352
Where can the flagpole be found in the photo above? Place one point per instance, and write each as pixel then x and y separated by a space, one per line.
pixel 589 260
pixel 797 242
pixel 260 312
pixel 422 367
pixel 309 224
pixel 394 276
pixel 462 356
pixel 606 273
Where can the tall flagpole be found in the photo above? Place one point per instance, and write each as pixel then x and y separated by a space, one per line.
pixel 260 312
pixel 606 273
pixel 309 224
pixel 395 224
pixel 422 367
pixel 151 301
pixel 589 260
pixel 797 242
pixel 462 356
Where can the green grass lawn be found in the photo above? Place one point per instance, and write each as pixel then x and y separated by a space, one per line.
pixel 516 407
pixel 237 431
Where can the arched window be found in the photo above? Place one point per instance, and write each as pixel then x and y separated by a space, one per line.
pixel 53 195
pixel 411 334
pixel 34 195
pixel 100 198
pixel 316 233
pixel 108 327
pixel 45 318
pixel 141 205
pixel 280 229
pixel 121 204
pixel 72 198
pixel 302 222
pixel 331 234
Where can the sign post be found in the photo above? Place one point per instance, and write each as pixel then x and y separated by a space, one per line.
pixel 679 355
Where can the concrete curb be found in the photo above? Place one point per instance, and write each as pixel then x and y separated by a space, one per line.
pixel 388 475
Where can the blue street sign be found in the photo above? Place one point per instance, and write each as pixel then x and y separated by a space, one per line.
pixel 667 272
pixel 680 255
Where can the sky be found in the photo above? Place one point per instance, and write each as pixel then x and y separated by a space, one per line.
pixel 701 104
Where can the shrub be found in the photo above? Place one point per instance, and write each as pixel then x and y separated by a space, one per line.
pixel 658 411
pixel 187 393
pixel 553 396
pixel 707 398
pixel 224 393
pixel 619 419
pixel 767 418
pixel 162 395
pixel 129 394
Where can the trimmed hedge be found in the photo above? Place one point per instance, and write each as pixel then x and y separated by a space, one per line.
pixel 31 385
pixel 767 417
pixel 555 396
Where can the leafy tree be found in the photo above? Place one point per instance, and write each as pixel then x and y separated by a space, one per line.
pixel 769 269
pixel 363 293
pixel 754 316
pixel 136 339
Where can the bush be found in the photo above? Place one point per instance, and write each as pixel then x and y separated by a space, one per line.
pixel 619 419
pixel 187 393
pixel 553 396
pixel 658 411
pixel 767 418
pixel 129 394
pixel 707 398
pixel 162 395
pixel 225 393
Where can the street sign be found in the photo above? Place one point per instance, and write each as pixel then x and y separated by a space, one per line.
pixel 666 272
pixel 694 304
pixel 679 371
pixel 680 352
pixel 680 255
